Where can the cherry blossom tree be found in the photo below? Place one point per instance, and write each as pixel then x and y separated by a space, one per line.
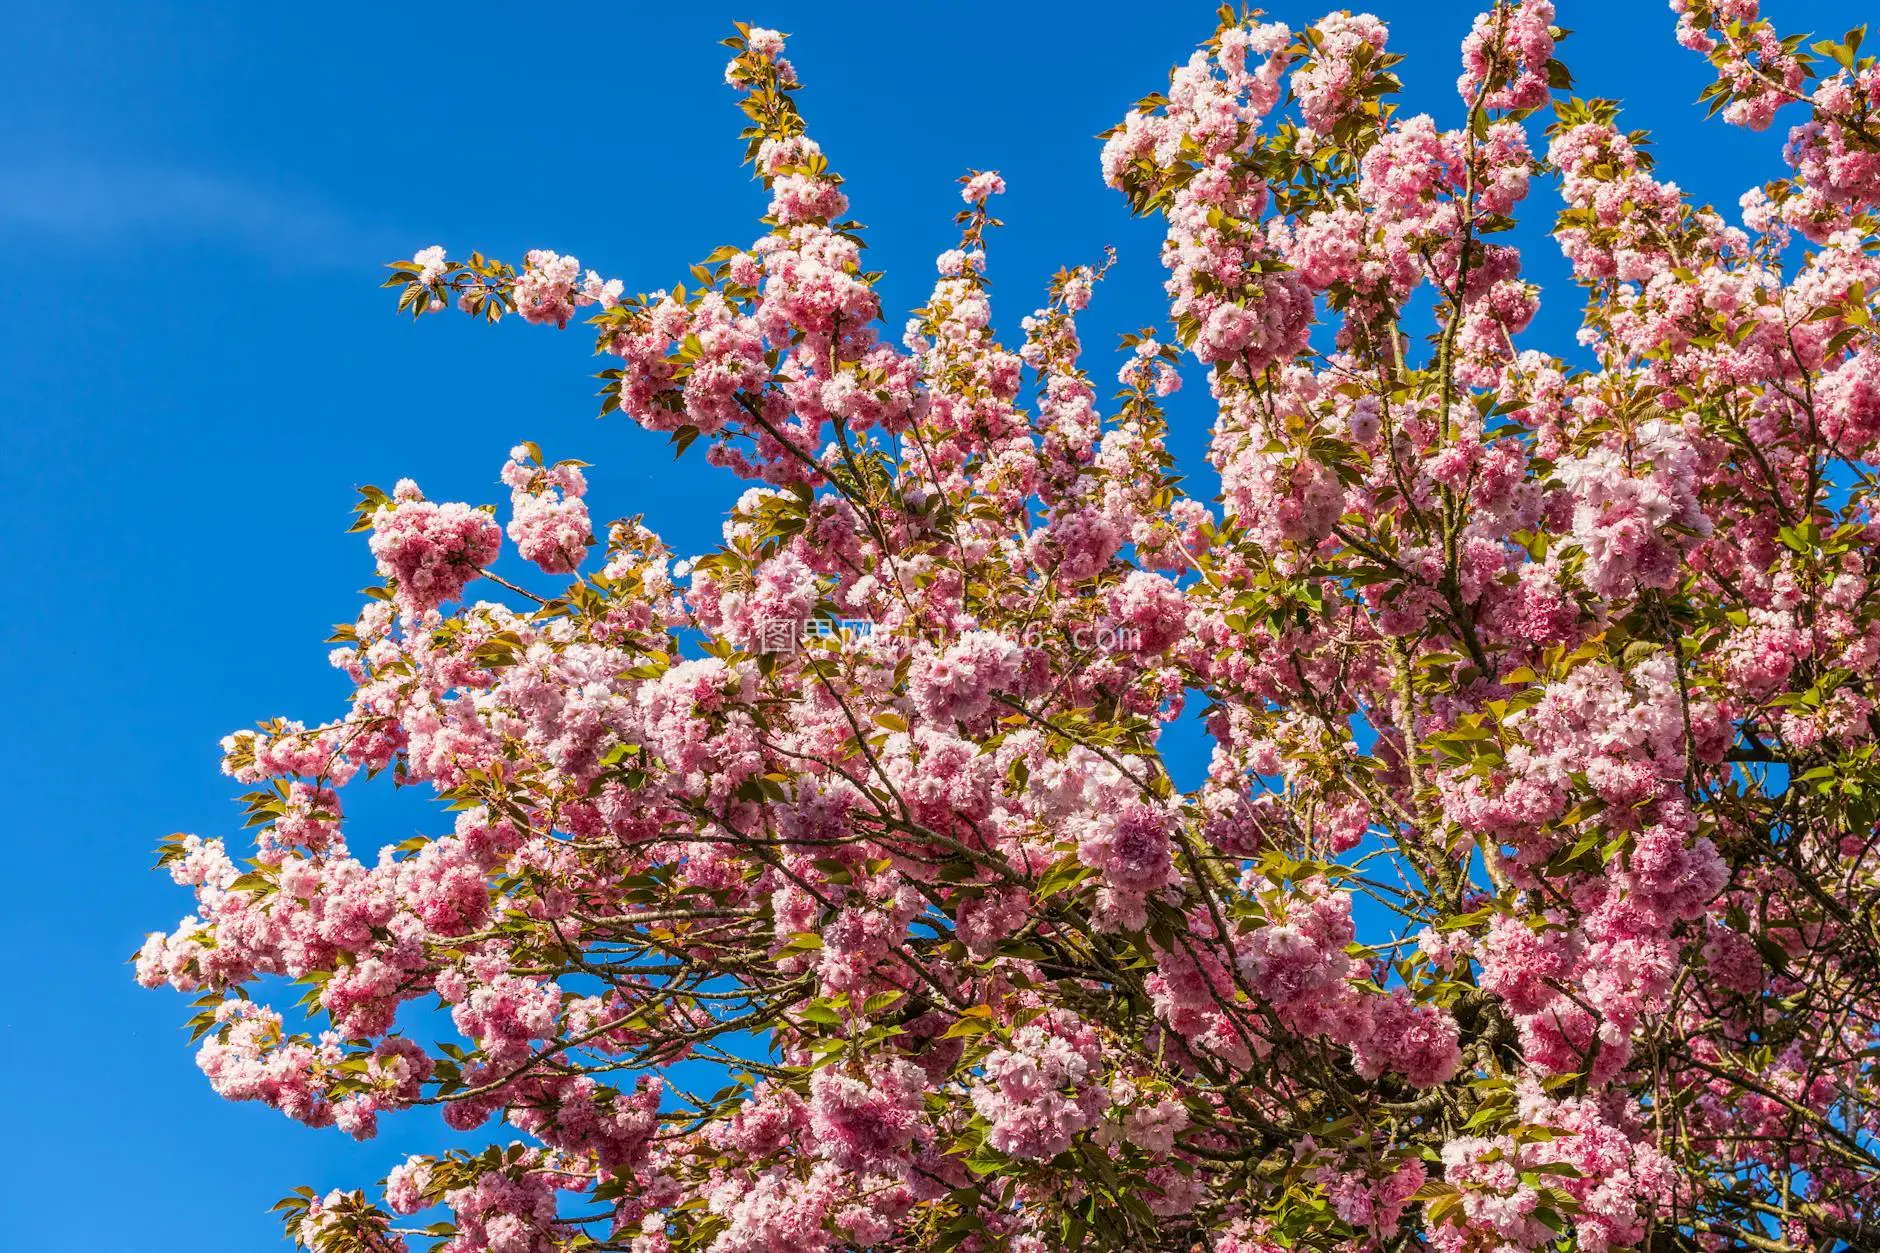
pixel 1529 900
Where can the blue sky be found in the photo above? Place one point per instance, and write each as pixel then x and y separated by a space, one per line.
pixel 197 369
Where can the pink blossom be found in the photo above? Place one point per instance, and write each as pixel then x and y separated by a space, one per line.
pixel 432 550
pixel 982 186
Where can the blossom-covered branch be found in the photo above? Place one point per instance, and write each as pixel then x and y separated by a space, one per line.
pixel 1528 897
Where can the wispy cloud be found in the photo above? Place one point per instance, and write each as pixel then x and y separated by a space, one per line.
pixel 79 203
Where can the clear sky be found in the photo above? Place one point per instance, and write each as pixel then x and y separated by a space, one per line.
pixel 197 369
